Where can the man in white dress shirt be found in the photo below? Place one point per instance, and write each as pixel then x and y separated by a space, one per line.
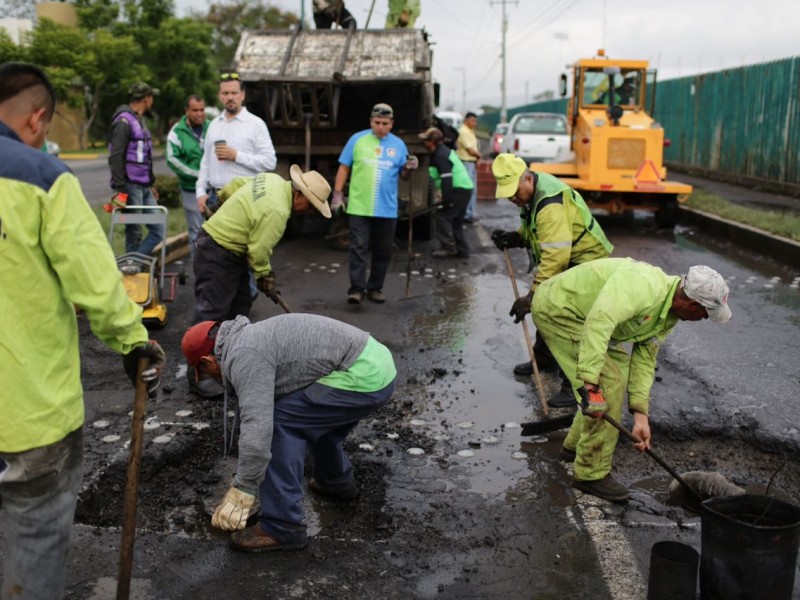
pixel 237 143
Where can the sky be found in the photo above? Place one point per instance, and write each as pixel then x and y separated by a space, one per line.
pixel 678 37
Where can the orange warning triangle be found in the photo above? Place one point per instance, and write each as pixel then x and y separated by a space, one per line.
pixel 647 173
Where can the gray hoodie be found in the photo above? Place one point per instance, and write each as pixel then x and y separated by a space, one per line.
pixel 266 360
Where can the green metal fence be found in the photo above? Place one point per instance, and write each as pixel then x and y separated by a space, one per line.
pixel 744 122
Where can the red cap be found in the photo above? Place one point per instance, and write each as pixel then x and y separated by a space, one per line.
pixel 198 341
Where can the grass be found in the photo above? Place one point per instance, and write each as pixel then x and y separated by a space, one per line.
pixel 778 223
pixel 176 223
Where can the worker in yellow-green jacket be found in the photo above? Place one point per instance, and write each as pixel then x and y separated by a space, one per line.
pixel 54 256
pixel 559 232
pixel 585 315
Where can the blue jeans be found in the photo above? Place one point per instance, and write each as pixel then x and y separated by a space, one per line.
pixel 39 490
pixel 320 416
pixel 472 170
pixel 142 195
pixel 194 220
pixel 375 234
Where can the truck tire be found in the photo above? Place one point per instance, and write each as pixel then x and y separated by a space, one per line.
pixel 667 214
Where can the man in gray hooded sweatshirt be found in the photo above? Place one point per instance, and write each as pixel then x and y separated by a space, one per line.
pixel 298 379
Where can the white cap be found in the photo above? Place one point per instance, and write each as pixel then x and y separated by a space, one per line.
pixel 704 285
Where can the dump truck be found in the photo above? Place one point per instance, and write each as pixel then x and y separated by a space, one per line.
pixel 618 145
pixel 315 88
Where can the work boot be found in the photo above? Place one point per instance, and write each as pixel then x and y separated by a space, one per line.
pixel 605 488
pixel 376 296
pixel 565 398
pixel 567 454
pixel 442 253
pixel 545 366
pixel 255 539
pixel 355 297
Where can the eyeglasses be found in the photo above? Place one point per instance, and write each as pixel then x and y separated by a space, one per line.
pixel 229 77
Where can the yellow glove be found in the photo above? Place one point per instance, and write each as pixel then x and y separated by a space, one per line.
pixel 232 512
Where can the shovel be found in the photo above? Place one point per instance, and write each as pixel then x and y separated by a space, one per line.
pixel 614 423
pixel 536 377
pixel 132 486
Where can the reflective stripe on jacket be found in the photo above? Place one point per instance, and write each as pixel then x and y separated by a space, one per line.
pixel 184 153
pixel 560 229
pixel 139 151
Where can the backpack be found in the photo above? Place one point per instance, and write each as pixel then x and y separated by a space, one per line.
pixel 450 132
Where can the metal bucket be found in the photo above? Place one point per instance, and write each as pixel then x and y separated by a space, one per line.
pixel 749 548
pixel 673 572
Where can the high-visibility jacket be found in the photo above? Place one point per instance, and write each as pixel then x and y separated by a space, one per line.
pixel 252 220
pixel 612 300
pixel 560 229
pixel 53 256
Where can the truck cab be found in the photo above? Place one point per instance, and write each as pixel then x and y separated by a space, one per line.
pixel 617 142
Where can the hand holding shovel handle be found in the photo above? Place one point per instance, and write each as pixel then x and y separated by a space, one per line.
pixel 536 377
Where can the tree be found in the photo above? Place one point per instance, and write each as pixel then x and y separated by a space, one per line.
pixel 96 14
pixel 85 68
pixel 8 49
pixel 229 19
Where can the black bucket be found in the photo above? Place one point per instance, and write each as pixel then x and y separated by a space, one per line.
pixel 749 548
pixel 673 572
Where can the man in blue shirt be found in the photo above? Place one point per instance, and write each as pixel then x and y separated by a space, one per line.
pixel 376 158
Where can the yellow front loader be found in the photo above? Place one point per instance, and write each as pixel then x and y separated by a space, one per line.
pixel 618 146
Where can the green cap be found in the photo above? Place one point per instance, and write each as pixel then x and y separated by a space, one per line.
pixel 507 169
pixel 141 90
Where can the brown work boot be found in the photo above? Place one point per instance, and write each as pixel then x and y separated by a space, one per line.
pixel 376 296
pixel 605 488
pixel 355 297
pixel 255 539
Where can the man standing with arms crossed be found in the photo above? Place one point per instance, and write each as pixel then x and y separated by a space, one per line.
pixel 55 256
pixel 377 158
pixel 130 158
pixel 184 153
pixel 469 153
pixel 559 231
pixel 237 144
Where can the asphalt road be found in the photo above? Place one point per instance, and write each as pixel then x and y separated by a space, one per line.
pixel 501 523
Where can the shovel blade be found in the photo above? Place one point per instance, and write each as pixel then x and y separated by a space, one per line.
pixel 547 425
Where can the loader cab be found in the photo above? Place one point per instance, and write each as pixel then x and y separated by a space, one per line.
pixel 612 86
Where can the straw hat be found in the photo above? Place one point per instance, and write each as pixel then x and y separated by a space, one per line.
pixel 314 187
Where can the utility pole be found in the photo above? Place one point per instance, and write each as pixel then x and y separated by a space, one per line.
pixel 463 89
pixel 503 111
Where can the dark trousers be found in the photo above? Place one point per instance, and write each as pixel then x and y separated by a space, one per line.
pixel 375 234
pixel 325 19
pixel 450 223
pixel 222 282
pixel 320 417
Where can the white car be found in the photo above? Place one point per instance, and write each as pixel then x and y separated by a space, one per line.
pixel 538 137
pixel 454 119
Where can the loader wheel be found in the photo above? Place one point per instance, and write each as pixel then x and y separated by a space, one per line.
pixel 667 215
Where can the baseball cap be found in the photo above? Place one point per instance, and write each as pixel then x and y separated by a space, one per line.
pixel 382 110
pixel 198 341
pixel 507 169
pixel 704 285
pixel 433 134
pixel 140 89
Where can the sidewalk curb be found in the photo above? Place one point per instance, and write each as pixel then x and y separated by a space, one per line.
pixel 70 156
pixel 177 247
pixel 780 248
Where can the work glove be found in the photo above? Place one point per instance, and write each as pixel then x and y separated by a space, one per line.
pixel 152 374
pixel 337 201
pixel 521 307
pixel 593 403
pixel 118 200
pixel 267 285
pixel 507 239
pixel 232 512
pixel 412 163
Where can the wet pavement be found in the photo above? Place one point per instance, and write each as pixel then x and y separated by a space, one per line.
pixel 481 512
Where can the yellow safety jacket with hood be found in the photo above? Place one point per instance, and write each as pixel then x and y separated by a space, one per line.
pixel 54 257
pixel 559 228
